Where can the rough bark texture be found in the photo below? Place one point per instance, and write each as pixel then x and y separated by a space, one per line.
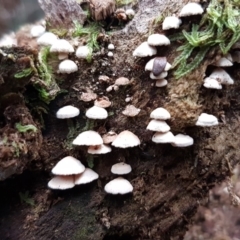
pixel 169 183
pixel 65 13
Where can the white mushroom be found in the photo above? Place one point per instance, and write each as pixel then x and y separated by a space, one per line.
pixel 131 111
pixel 181 140
pixel 86 177
pixel 171 22
pixel 67 112
pixel 206 120
pixel 111 46
pixel 167 137
pixel 118 186
pixel 144 50
pixel 212 83
pixel 161 83
pixel 223 62
pixel 100 149
pixel 96 112
pixel 88 138
pixel 191 8
pixel 62 47
pixel 126 139
pixel 160 76
pixel 160 113
pixel 61 182
pixel 222 76
pixel 67 66
pixel 122 81
pixel 83 52
pixel 158 126
pixel 47 39
pixel 158 40
pixel 37 31
pixel 68 166
pixel 121 168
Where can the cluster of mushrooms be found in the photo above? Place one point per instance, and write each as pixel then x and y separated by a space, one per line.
pixel 97 144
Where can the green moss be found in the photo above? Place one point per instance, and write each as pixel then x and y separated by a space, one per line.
pixel 24 73
pixel 91 33
pixel 219 28
pixel 59 32
pixel 25 128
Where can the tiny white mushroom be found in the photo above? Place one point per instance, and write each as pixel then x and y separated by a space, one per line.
pixel 222 76
pixel 111 46
pixel 121 168
pixel 37 31
pixel 67 112
pixel 158 40
pixel 171 22
pixel 190 9
pixel 121 81
pixel 47 39
pixel 61 182
pixel 96 112
pixel 206 120
pixel 144 50
pixel 62 47
pixel 67 66
pixel 130 13
pixel 86 177
pixel 158 126
pixel 110 54
pixel 181 140
pixel 160 113
pixel 68 166
pixel 223 62
pixel 161 83
pixel 118 186
pixel 88 138
pixel 126 139
pixel 100 149
pixel 167 137
pixel 212 83
pixel 131 111
pixel 83 52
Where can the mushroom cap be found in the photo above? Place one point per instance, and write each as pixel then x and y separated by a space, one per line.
pixel 167 137
pixel 161 83
pixel 68 166
pixel 102 102
pixel 62 46
pixel 96 112
pixel 181 140
pixel 61 182
pixel 121 81
pixel 212 83
pixel 158 40
pixel 162 75
pixel 86 177
pixel 223 62
pixel 158 126
pixel 171 22
pixel 100 149
pixel 206 120
pixel 67 66
pixel 222 76
pixel 118 186
pixel 83 52
pixel 110 46
pixel 160 114
pixel 121 168
pixel 149 66
pixel 131 111
pixel 67 112
pixel 88 138
pixel 47 39
pixel 126 139
pixel 144 50
pixel 37 31
pixel 190 9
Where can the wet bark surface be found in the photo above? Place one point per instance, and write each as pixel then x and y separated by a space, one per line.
pixel 169 183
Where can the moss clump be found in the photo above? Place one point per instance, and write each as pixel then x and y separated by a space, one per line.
pixel 219 27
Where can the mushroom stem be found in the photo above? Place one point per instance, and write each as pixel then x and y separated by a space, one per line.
pixel 90 161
